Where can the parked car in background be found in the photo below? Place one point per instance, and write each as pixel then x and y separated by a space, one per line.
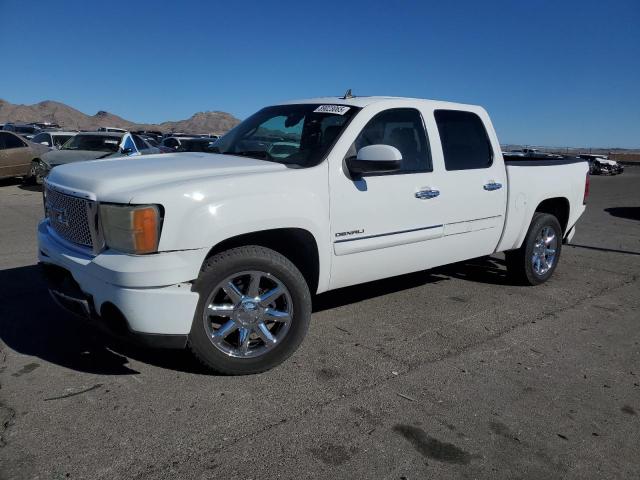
pixel 154 143
pixel 222 253
pixel 45 125
pixel 601 165
pixel 532 153
pixel 206 145
pixel 92 146
pixel 174 142
pixel 23 129
pixel 154 134
pixel 53 139
pixel 111 129
pixel 17 154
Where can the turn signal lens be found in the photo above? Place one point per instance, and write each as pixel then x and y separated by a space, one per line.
pixel 131 228
pixel 145 229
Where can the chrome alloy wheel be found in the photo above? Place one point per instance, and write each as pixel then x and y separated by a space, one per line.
pixel 544 251
pixel 248 314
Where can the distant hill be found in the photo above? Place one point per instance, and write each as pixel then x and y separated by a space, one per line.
pixel 68 117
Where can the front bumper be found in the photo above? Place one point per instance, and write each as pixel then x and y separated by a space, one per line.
pixel 151 292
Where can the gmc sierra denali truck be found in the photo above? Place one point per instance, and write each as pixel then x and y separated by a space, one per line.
pixel 221 252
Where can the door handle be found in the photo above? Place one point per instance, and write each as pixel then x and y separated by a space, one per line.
pixel 427 194
pixel 492 186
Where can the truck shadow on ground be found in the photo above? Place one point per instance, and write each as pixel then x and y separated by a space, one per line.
pixel 32 324
pixel 631 213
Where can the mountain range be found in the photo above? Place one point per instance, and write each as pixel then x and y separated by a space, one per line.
pixel 68 117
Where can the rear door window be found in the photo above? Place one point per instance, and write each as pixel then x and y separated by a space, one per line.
pixel 139 143
pixel 465 143
pixel 12 141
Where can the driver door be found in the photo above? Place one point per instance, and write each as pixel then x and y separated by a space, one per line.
pixel 386 224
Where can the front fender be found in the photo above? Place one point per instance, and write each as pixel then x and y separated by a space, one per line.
pixel 200 215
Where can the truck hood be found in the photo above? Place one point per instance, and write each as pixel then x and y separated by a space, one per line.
pixel 61 157
pixel 106 178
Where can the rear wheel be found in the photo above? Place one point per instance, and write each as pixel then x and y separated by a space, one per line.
pixel 253 313
pixel 536 260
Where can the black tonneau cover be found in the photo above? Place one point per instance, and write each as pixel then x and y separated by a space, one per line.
pixel 539 162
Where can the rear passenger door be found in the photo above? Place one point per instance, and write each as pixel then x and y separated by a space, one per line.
pixel 473 184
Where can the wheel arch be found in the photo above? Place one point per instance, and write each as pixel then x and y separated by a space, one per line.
pixel 559 207
pixel 296 244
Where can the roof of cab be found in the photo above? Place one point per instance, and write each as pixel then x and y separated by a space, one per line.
pixel 362 102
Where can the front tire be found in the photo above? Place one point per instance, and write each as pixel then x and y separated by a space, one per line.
pixel 34 177
pixel 253 313
pixel 536 260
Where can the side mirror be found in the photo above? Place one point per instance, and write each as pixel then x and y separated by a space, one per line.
pixel 45 143
pixel 127 151
pixel 375 159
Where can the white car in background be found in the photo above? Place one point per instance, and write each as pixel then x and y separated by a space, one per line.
pixel 53 139
pixel 111 129
pixel 601 165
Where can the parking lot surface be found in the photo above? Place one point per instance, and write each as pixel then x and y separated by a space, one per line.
pixel 450 373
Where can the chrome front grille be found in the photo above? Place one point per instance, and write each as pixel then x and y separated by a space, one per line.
pixel 69 216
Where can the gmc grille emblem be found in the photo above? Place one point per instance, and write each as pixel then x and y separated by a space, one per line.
pixel 57 215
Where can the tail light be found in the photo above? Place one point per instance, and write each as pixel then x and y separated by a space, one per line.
pixel 586 189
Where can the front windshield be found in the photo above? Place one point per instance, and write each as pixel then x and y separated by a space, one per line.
pixel 292 134
pixel 94 143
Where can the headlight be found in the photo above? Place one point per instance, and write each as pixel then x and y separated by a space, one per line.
pixel 131 228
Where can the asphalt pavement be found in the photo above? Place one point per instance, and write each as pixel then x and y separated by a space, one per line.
pixel 449 373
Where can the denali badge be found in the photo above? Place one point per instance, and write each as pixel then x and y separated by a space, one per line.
pixel 352 232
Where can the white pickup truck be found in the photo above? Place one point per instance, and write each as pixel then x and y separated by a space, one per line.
pixel 222 252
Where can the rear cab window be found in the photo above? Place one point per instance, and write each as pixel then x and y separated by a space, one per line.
pixel 465 142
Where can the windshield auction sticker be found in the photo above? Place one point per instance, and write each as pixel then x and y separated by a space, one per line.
pixel 337 109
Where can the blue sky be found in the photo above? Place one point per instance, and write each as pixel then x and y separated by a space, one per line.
pixel 549 72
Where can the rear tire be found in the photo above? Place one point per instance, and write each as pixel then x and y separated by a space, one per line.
pixel 536 260
pixel 263 330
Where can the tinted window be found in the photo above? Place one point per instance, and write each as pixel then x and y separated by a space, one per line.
pixel 11 141
pixel 25 129
pixel 42 137
pixel 465 143
pixel 197 145
pixel 59 140
pixel 402 128
pixel 170 142
pixel 139 142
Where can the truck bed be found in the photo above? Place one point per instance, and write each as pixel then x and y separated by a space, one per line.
pixel 562 178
